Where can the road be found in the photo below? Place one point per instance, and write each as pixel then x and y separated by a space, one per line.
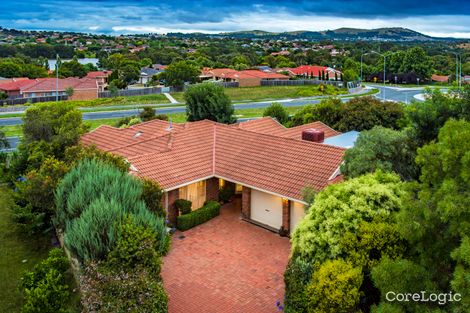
pixel 390 93
pixel 397 94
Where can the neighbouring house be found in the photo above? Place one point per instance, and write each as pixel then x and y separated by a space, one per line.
pixel 440 78
pixel 314 71
pixel 83 88
pixel 146 75
pixel 245 78
pixel 466 79
pixel 101 78
pixel 12 87
pixel 267 164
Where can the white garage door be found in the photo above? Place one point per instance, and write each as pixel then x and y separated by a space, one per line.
pixel 297 213
pixel 266 208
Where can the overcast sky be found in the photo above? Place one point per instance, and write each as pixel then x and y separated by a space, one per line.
pixel 435 18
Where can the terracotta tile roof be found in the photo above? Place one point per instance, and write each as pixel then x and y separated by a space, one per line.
pixel 267 125
pixel 247 153
pixel 264 75
pixel 439 78
pixel 49 84
pixel 16 84
pixel 96 74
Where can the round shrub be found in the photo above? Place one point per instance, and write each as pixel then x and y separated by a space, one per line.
pixel 278 111
pixel 183 206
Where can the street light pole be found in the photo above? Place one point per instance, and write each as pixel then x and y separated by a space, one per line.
pixel 57 77
pixel 385 61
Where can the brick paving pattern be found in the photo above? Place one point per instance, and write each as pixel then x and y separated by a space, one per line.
pixel 225 266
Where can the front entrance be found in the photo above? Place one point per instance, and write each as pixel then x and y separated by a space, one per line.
pixel 196 193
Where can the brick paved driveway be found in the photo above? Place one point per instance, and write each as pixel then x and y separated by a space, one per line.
pixel 225 265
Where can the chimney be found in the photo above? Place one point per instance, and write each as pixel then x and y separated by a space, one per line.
pixel 313 135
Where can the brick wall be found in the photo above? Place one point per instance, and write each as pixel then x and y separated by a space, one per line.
pixel 246 202
pixel 84 94
pixel 172 195
pixel 286 215
pixel 212 189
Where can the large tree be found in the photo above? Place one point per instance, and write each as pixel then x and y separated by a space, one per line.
pixel 208 101
pixel 436 224
pixel 381 148
pixel 179 73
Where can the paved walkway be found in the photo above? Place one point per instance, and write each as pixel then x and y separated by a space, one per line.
pixel 225 266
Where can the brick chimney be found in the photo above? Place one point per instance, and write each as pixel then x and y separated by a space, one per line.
pixel 314 135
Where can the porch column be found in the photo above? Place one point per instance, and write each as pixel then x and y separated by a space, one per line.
pixel 286 215
pixel 246 202
pixel 172 212
pixel 212 189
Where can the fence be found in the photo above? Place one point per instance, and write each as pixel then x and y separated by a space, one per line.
pixel 354 87
pixel 301 82
pixel 130 92
pixel 228 84
pixel 31 100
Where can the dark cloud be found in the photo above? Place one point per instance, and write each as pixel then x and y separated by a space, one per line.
pixel 212 14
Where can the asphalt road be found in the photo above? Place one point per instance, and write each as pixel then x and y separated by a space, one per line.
pixel 389 93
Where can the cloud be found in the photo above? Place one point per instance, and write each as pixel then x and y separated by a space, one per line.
pixel 432 17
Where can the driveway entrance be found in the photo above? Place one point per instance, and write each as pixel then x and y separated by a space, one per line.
pixel 225 265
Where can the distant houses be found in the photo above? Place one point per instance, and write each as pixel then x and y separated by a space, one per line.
pixel 82 88
pixel 252 78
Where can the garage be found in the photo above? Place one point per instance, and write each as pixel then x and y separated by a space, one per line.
pixel 297 213
pixel 266 209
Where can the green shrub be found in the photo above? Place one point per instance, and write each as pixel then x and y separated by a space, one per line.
pixel 114 291
pixel 334 288
pixel 90 180
pixel 183 206
pixel 45 288
pixel 147 114
pixel 226 192
pixel 210 210
pixel 92 235
pixel 152 196
pixel 278 111
pixel 136 247
pixel 296 278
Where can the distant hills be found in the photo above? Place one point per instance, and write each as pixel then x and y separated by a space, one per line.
pixel 340 34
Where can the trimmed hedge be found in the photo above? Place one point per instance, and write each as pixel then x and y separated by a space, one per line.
pixel 183 206
pixel 208 211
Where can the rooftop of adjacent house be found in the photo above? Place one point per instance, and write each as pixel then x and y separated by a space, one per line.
pixel 148 71
pixel 96 74
pixel 439 78
pixel 261 154
pixel 50 84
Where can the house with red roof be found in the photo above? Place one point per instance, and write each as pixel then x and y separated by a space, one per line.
pixel 245 78
pixel 314 71
pixel 101 78
pixel 83 88
pixel 440 78
pixel 12 87
pixel 267 164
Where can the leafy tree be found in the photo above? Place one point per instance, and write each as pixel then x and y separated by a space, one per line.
pixel 152 196
pixel 147 114
pixel 3 141
pixel 328 111
pixel 179 73
pixel 72 69
pixel 435 222
pixel 36 195
pixel 350 75
pixel 351 220
pixel 427 117
pixel 59 125
pixel 381 148
pixel 69 91
pixel 208 101
pixel 363 113
pixel 278 111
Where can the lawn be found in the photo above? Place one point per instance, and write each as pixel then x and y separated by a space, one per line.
pixel 278 92
pixel 17 254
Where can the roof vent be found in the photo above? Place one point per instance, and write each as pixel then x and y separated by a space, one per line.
pixel 138 134
pixel 313 135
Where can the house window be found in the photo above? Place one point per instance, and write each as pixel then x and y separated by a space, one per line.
pixel 196 193
pixel 221 183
